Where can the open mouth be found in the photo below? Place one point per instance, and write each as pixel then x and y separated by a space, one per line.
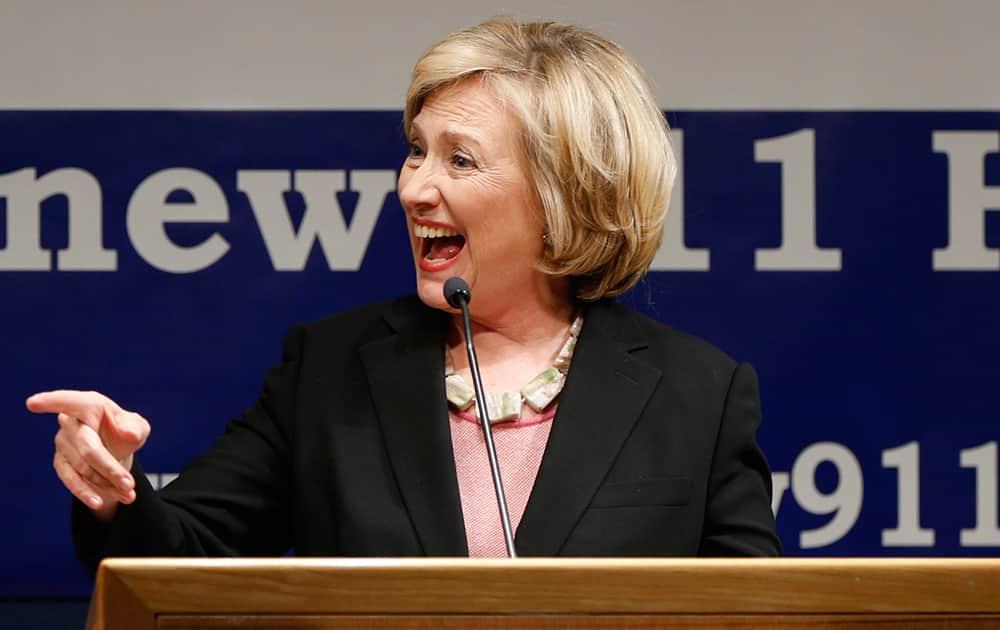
pixel 439 245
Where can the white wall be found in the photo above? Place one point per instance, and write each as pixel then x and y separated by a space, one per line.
pixel 718 54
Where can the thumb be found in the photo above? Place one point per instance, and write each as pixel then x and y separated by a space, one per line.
pixel 124 432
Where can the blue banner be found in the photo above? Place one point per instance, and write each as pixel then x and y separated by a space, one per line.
pixel 852 257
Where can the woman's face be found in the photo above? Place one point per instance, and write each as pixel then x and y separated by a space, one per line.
pixel 468 203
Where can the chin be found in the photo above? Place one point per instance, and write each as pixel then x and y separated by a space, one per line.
pixel 431 293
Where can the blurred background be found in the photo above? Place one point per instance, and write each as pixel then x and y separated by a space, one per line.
pixel 180 182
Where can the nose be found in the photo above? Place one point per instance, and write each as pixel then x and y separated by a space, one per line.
pixel 417 188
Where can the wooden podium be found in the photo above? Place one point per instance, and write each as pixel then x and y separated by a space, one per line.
pixel 546 593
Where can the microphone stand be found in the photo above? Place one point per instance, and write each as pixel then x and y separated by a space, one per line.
pixel 458 295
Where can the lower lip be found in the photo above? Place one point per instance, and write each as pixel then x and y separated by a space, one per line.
pixel 439 265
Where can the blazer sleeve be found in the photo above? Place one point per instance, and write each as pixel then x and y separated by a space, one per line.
pixel 234 500
pixel 738 517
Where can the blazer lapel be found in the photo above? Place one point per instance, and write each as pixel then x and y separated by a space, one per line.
pixel 606 391
pixel 405 371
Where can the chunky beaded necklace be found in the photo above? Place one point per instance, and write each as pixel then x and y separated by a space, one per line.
pixel 538 393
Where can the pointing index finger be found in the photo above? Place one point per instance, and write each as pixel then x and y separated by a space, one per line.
pixel 89 407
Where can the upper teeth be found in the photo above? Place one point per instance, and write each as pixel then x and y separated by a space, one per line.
pixel 425 231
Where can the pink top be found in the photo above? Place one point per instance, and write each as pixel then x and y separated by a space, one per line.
pixel 519 448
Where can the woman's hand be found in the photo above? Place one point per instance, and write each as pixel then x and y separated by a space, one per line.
pixel 95 446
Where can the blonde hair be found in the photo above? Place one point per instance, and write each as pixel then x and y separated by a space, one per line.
pixel 595 144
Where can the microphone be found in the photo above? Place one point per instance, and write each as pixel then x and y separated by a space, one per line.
pixel 457 293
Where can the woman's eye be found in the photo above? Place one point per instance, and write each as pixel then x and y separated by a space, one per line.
pixel 462 161
pixel 416 151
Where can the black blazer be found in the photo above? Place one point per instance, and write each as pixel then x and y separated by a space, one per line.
pixel 348 452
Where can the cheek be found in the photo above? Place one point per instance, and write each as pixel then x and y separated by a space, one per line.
pixel 505 232
pixel 506 245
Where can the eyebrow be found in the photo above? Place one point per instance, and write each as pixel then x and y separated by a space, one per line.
pixel 451 134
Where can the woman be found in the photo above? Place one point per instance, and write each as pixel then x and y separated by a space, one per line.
pixel 539 171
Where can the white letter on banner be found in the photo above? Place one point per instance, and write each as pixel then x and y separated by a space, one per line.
pixel 986 533
pixel 908 532
pixel 673 255
pixel 779 484
pixel 25 193
pixel 844 501
pixel 149 211
pixel 323 220
pixel 796 152
pixel 968 200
